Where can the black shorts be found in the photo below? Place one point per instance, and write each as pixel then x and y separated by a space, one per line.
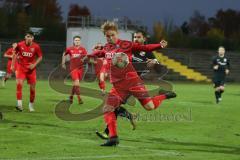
pixel 218 83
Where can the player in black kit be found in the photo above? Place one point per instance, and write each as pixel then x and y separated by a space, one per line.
pixel 221 67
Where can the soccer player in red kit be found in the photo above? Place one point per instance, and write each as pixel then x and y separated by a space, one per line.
pixel 125 80
pixel 77 55
pixel 8 54
pixel 29 55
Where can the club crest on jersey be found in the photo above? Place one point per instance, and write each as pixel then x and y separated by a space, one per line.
pixel 27 54
pixel 225 60
pixel 32 49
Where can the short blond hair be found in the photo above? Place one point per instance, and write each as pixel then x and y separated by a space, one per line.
pixel 108 25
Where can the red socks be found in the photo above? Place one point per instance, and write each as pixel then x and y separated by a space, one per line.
pixel 19 92
pixel 76 90
pixel 157 100
pixel 32 95
pixel 101 85
pixel 110 120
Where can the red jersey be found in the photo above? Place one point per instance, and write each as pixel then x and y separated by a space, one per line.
pixel 9 52
pixel 127 47
pixel 76 56
pixel 27 54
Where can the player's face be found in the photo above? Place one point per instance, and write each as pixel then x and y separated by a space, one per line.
pixel 77 42
pixel 99 46
pixel 29 39
pixel 139 38
pixel 221 51
pixel 111 36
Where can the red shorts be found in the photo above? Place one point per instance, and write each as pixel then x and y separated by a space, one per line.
pixel 30 75
pixel 123 89
pixel 105 69
pixel 77 74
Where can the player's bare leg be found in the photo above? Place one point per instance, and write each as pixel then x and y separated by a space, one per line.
pixel 218 93
pixel 221 92
pixel 19 106
pixel 32 97
pixel 5 78
pixel 156 101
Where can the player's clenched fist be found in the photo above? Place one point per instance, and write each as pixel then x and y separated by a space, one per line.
pixel 163 43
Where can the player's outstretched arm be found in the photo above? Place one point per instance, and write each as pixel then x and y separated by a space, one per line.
pixel 7 55
pixel 14 56
pixel 97 53
pixel 149 47
pixel 64 60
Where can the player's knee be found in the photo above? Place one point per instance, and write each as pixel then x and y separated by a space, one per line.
pixel 76 83
pixel 32 86
pixel 149 106
pixel 108 108
pixel 19 82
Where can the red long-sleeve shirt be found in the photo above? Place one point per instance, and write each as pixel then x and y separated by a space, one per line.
pixel 127 47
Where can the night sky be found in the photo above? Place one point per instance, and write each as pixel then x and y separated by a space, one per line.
pixel 149 11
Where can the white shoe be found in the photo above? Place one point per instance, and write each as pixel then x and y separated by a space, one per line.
pixel 31 108
pixel 220 99
pixel 19 108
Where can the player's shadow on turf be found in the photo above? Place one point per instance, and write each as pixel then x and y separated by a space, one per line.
pixel 203 102
pixel 6 108
pixel 53 100
pixel 211 148
pixel 16 123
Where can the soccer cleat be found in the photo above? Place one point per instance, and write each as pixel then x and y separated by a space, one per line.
pixel 80 101
pixel 102 135
pixel 19 108
pixel 113 141
pixel 170 94
pixel 162 91
pixel 31 109
pixel 218 100
pixel 103 92
pixel 70 99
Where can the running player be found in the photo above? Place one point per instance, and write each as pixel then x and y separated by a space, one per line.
pixel 125 80
pixel 29 56
pixel 8 54
pixel 221 67
pixel 77 55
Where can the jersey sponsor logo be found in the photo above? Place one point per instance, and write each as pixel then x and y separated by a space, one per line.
pixel 109 55
pixel 76 55
pixel 27 54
